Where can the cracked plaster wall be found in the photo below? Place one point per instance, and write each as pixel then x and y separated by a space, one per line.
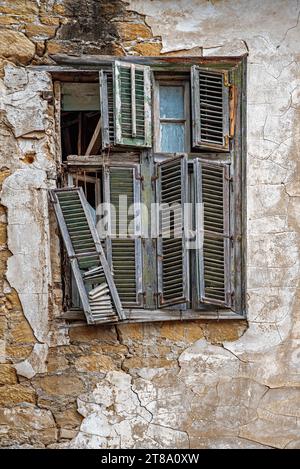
pixel 162 385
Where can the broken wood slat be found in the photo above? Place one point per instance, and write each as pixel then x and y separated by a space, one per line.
pixel 94 144
pixel 88 262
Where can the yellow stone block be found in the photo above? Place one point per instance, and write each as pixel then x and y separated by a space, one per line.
pixel 7 374
pixel 15 394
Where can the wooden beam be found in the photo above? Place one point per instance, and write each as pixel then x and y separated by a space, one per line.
pixel 144 315
pixel 108 60
pixel 94 144
pixel 79 140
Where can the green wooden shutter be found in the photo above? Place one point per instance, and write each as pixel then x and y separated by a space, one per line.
pixel 124 243
pixel 210 108
pixel 96 287
pixel 172 258
pixel 107 108
pixel 213 260
pixel 132 104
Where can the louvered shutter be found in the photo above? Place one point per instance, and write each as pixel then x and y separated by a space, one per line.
pixel 132 104
pixel 96 287
pixel 172 258
pixel 107 108
pixel 210 108
pixel 213 259
pixel 124 243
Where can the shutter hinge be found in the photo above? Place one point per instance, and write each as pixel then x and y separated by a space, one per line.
pixel 139 177
pixel 142 297
pixel 158 297
pixel 154 178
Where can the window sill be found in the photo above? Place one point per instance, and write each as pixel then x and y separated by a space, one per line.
pixel 142 315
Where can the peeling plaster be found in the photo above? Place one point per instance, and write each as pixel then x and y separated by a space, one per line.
pixel 35 363
pixel 24 194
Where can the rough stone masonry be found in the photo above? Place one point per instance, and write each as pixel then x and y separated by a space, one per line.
pixel 202 384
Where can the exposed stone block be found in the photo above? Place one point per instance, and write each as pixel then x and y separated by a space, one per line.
pixel 7 374
pixel 16 47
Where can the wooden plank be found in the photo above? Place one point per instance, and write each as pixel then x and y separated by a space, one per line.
pixel 195 100
pixel 137 232
pixel 148 107
pixel 80 97
pixel 94 144
pixel 102 60
pixel 57 120
pixel 133 107
pixel 148 241
pixel 238 78
pixel 142 315
pixel 103 94
pixel 79 138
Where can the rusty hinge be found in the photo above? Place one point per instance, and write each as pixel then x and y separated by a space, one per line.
pixel 154 178
pixel 228 178
pixel 157 296
pixel 142 297
pixel 139 177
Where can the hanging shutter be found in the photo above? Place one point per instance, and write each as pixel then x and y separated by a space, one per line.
pixel 210 108
pixel 173 286
pixel 124 245
pixel 96 287
pixel 213 260
pixel 107 108
pixel 132 104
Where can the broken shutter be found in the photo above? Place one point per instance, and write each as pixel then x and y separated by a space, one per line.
pixel 122 191
pixel 172 258
pixel 107 108
pixel 210 108
pixel 132 104
pixel 98 294
pixel 213 259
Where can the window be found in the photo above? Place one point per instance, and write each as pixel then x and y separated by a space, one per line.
pixel 172 116
pixel 151 208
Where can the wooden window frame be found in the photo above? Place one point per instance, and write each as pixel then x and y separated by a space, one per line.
pixel 237 72
pixel 167 81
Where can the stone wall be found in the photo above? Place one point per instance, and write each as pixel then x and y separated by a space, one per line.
pixel 201 384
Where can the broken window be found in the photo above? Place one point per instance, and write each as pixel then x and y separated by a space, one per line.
pixel 152 209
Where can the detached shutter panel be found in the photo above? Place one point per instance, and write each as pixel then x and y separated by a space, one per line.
pixel 210 108
pixel 212 186
pixel 98 294
pixel 107 108
pixel 132 104
pixel 124 245
pixel 173 287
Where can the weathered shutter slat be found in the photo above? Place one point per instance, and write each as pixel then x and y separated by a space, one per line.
pixel 107 108
pixel 97 290
pixel 124 244
pixel 210 108
pixel 132 104
pixel 172 258
pixel 213 259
